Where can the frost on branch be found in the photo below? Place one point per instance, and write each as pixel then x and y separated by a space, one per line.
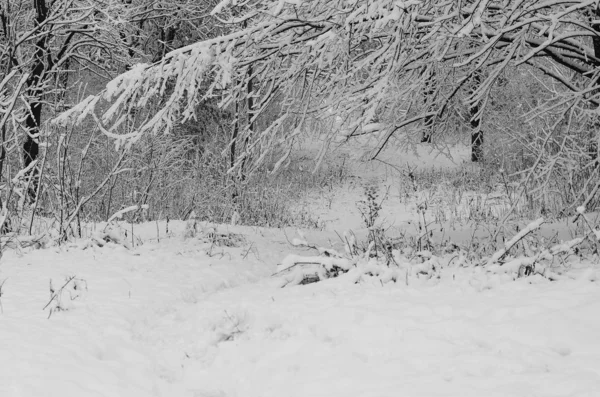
pixel 318 58
pixel 540 263
pixel 508 245
pixel 382 68
pixel 179 78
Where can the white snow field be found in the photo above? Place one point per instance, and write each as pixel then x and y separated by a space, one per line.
pixel 184 317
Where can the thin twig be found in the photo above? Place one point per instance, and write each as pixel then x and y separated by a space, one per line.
pixel 56 294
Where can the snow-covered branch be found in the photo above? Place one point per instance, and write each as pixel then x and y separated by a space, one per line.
pixel 356 61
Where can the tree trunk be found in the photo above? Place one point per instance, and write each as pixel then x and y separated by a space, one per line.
pixel 234 134
pixel 35 92
pixel 476 141
pixel 428 98
pixel 232 153
pixel 476 132
pixel 5 227
pixel 167 36
pixel 2 151
pixel 593 146
pixel 250 114
pixel 250 125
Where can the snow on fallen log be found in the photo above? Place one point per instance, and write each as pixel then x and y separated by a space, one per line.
pixel 303 242
pixel 566 247
pixel 512 266
pixel 508 245
pixel 101 238
pixel 524 266
pixel 370 270
pixel 327 262
pixel 303 275
pixel 296 269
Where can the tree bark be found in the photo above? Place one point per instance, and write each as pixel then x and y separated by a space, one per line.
pixel 234 135
pixel 250 114
pixel 428 98
pixel 476 140
pixel 167 36
pixel 34 114
pixel 593 145
pixel 476 132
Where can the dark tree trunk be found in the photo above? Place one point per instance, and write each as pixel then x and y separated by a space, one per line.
pixel 4 228
pixel 2 151
pixel 596 28
pixel 250 115
pixel 476 132
pixel 234 135
pixel 232 153
pixel 167 36
pixel 593 147
pixel 476 142
pixel 428 98
pixel 34 82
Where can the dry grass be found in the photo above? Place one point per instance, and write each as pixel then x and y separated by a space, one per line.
pixel 479 192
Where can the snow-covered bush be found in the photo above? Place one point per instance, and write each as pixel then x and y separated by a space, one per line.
pixel 518 257
pixel 382 262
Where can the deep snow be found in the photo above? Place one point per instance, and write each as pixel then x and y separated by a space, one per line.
pixel 186 318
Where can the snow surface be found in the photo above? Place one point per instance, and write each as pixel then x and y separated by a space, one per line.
pixel 168 319
pixel 186 317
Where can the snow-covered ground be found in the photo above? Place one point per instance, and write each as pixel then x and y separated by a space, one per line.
pixel 186 317
pixel 335 207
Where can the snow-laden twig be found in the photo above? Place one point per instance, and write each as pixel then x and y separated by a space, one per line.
pixel 525 266
pixel 509 244
pixel 119 214
pixel 566 247
pixel 56 295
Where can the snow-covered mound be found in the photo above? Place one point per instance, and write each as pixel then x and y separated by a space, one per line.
pixel 203 316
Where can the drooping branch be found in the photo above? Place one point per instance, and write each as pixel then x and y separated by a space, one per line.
pixel 361 56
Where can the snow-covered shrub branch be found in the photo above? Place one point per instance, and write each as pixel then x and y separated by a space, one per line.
pixel 522 255
pixel 315 58
pixel 361 61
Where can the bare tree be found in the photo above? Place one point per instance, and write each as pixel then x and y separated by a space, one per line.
pixel 42 42
pixel 363 62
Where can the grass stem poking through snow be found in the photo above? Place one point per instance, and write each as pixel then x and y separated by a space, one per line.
pixel 56 295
